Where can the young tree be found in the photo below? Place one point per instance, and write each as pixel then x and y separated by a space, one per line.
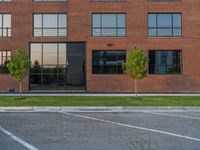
pixel 135 65
pixel 18 66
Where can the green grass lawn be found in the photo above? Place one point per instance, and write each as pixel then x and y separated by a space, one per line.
pixel 101 101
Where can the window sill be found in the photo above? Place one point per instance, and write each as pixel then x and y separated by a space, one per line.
pixel 164 75
pixel 109 75
pixel 165 37
pixel 109 37
pixel 5 37
pixel 49 36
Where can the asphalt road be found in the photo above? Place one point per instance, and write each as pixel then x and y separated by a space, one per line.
pixel 100 131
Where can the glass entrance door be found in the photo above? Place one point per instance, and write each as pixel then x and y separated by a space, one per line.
pixel 76 65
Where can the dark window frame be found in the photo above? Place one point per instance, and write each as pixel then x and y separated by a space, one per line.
pixel 42 28
pixel 6 28
pixel 101 28
pixel 42 65
pixel 172 28
pixel 2 65
pixel 101 72
pixel 162 74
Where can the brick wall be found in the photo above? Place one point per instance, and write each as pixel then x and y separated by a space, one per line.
pixel 79 29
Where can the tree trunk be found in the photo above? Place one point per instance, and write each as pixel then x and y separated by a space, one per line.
pixel 136 94
pixel 20 89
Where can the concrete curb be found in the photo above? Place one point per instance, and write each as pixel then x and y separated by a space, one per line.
pixel 99 109
pixel 100 94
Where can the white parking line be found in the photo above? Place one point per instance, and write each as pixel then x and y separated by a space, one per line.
pixel 172 115
pixel 27 145
pixel 135 127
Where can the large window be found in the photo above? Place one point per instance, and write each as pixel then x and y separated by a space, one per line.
pixel 108 24
pixel 108 61
pixel 165 62
pixel 50 24
pixel 5 25
pixel 48 65
pixel 5 0
pixel 4 57
pixel 164 25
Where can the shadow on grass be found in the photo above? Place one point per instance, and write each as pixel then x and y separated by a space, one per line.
pixel 20 98
pixel 137 98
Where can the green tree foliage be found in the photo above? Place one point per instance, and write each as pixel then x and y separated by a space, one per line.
pixel 135 65
pixel 18 66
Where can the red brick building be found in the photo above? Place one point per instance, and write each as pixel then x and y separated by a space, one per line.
pixel 81 44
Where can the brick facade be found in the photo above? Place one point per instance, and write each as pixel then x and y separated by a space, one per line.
pixel 79 29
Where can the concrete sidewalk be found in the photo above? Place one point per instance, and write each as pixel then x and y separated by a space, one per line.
pixel 99 109
pixel 101 94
